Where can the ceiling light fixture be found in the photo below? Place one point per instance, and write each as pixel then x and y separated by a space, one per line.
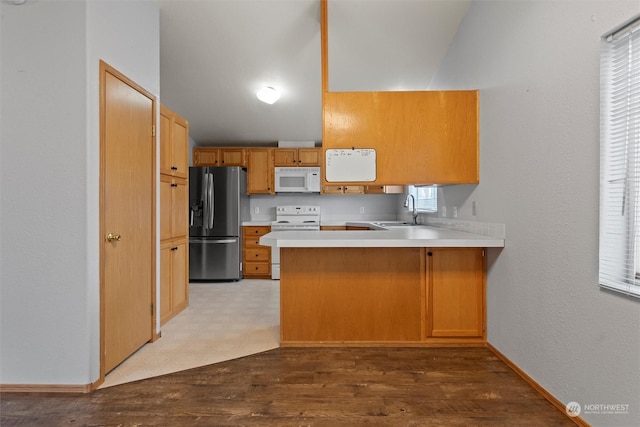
pixel 268 95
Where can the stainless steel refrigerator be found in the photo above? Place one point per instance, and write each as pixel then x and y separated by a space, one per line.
pixel 218 203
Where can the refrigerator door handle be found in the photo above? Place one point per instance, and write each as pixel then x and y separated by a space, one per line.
pixel 205 200
pixel 211 201
pixel 213 242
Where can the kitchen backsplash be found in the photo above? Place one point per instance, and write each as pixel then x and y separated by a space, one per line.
pixel 332 207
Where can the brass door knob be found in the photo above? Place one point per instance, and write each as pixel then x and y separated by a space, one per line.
pixel 111 237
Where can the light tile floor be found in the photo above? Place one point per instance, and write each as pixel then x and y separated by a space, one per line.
pixel 224 321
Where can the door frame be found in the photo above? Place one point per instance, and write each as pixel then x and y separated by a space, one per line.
pixel 153 246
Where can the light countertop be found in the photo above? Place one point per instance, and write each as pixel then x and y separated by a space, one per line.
pixel 410 236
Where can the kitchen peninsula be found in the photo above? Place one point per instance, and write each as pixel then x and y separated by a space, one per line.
pixel 409 285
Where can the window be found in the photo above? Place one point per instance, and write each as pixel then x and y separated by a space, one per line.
pixel 426 198
pixel 620 160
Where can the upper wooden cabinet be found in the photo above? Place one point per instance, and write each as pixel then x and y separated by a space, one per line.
pixel 206 156
pixel 419 137
pixel 297 156
pixel 174 144
pixel 232 157
pixel 219 156
pixel 260 171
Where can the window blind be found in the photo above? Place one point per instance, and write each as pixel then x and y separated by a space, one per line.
pixel 619 260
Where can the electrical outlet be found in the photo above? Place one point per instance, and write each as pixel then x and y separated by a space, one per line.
pixel 455 212
pixel 256 210
pixel 361 209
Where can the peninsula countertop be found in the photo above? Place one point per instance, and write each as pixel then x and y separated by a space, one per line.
pixel 395 236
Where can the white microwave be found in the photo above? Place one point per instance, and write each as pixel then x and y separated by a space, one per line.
pixel 297 180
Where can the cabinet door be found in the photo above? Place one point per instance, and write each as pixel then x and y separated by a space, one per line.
pixel 179 208
pixel 456 298
pixel 285 157
pixel 332 189
pixel 174 279
pixel 165 141
pixel 309 156
pixel 166 217
pixel 174 207
pixel 232 157
pixel 174 144
pixel 165 282
pixel 179 277
pixel 353 189
pixel 180 148
pixel 260 171
pixel 205 156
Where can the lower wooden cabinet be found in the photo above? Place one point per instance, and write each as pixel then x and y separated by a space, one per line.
pixel 370 295
pixel 456 293
pixel 256 259
pixel 174 278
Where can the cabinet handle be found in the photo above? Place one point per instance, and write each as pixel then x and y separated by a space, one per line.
pixel 175 248
pixel 173 168
pixel 174 185
pixel 430 253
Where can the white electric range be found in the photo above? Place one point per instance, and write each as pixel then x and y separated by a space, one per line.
pixel 292 218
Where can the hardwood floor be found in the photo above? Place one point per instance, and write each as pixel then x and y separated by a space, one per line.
pixel 308 387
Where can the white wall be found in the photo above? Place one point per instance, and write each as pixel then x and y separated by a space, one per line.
pixel 49 175
pixel 537 67
pixel 44 332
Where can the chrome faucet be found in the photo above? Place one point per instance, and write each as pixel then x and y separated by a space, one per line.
pixel 415 211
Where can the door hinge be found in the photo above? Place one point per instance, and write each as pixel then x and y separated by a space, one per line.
pixel 483 252
pixel 153 130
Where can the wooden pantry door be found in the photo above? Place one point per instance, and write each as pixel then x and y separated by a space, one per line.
pixel 127 217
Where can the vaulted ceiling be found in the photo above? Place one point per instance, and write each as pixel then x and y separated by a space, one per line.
pixel 215 55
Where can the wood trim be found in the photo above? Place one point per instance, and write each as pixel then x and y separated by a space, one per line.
pixel 97 383
pixel 104 69
pixel 533 383
pixel 324 45
pixel 417 344
pixel 46 388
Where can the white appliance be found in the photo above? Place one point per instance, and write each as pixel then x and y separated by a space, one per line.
pixel 297 180
pixel 292 218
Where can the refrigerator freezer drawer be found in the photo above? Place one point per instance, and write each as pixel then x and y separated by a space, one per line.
pixel 215 259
